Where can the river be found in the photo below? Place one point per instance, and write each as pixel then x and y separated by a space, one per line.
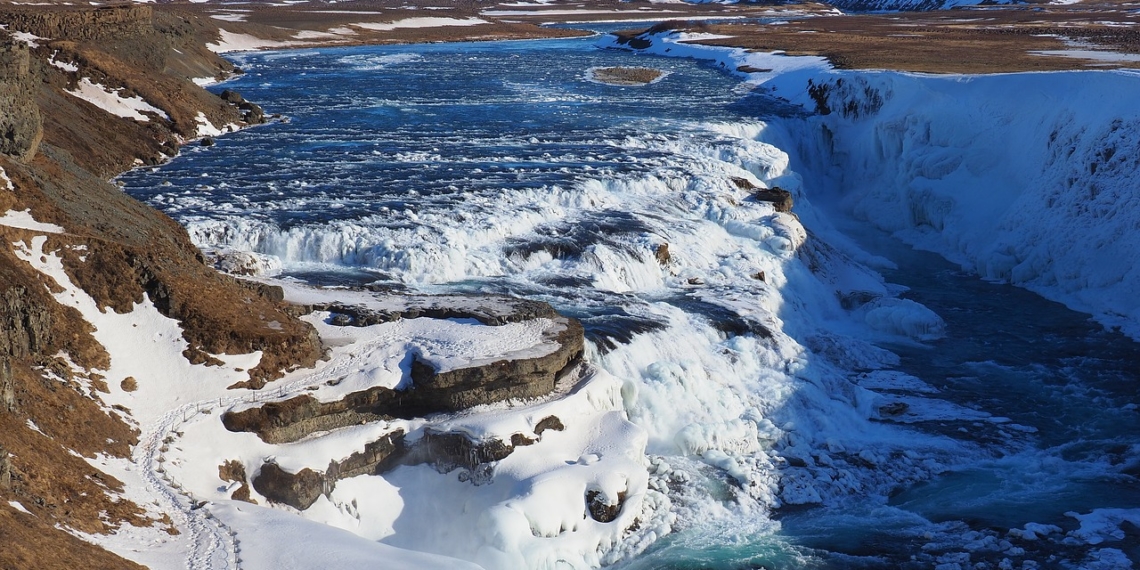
pixel 796 435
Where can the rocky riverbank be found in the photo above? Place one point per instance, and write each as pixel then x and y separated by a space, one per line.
pixel 87 93
pixel 65 76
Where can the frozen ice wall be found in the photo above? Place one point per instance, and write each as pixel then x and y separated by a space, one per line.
pixel 1026 178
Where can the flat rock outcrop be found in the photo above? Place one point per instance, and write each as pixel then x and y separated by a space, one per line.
pixel 432 391
pixel 443 450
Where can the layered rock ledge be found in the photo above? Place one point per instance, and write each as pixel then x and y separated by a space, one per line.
pixel 433 389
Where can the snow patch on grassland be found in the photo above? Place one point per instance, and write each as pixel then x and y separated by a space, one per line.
pixel 1023 178
pixel 230 41
pixel 24 219
pixel 426 22
pixel 110 101
pixel 5 182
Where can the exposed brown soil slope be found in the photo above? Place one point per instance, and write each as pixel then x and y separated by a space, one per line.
pixel 59 151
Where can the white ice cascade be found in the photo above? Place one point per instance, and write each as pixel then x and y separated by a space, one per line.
pixel 1024 178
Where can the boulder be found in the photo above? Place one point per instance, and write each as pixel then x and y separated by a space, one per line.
pixel 298 490
pixel 779 198
pixel 232 97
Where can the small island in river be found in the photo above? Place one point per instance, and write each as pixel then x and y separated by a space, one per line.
pixel 625 76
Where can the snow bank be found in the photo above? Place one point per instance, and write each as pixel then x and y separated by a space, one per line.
pixel 24 219
pixel 1023 178
pixel 109 100
pixel 275 539
pixel 5 182
pixel 426 22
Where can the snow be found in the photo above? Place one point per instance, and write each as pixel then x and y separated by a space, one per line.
pixel 426 22
pixel 6 182
pixel 206 129
pixel 677 44
pixel 230 17
pixel 275 539
pixel 24 220
pixel 1021 177
pixel 27 37
pixel 112 102
pixel 1104 525
pixel 231 42
pixel 19 507
pixel 330 33
pixel 32 426
pixel 1096 55
pixel 177 405
pixel 66 66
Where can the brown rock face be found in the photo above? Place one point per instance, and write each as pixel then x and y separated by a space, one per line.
pixel 299 490
pixel 20 126
pixel 123 21
pixel 445 451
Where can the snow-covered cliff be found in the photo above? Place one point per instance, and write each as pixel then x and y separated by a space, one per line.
pixel 1025 178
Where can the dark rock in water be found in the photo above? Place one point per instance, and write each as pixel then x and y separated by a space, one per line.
pixel 600 509
pixel 662 254
pixel 893 409
pixel 208 141
pixel 298 490
pixel 855 299
pixel 252 113
pixel 781 199
pixel 232 97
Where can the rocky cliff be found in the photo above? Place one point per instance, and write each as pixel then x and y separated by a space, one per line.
pixel 57 152
pixel 20 126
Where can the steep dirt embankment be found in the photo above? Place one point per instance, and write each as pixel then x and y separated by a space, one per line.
pixel 58 150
